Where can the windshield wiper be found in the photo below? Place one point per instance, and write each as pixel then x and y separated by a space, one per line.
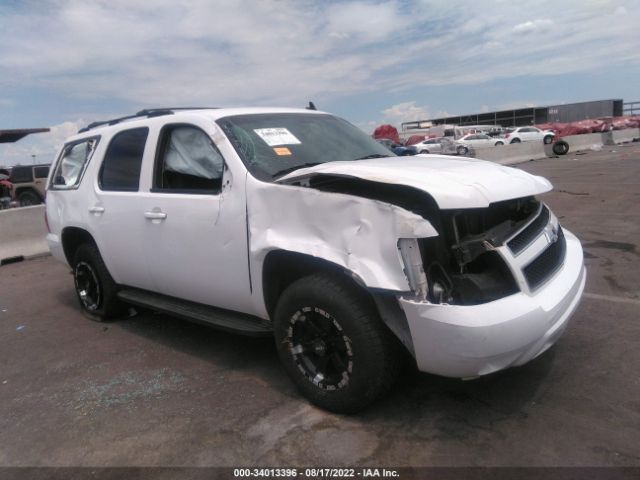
pixel 373 155
pixel 284 171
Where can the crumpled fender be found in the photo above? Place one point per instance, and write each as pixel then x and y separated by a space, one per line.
pixel 356 233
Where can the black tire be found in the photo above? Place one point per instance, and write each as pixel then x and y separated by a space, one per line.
pixel 29 197
pixel 515 140
pixel 462 150
pixel 499 143
pixel 560 147
pixel 547 139
pixel 333 344
pixel 95 288
pixel 424 151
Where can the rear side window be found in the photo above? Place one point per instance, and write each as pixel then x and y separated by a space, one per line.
pixel 120 169
pixel 72 163
pixel 41 172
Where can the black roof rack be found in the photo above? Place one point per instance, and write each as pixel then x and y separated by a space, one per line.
pixel 147 112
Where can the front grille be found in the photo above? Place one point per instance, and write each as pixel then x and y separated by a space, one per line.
pixel 547 263
pixel 521 241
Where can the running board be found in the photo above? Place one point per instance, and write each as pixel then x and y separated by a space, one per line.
pixel 227 320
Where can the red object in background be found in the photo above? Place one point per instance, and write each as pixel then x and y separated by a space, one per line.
pixel 592 126
pixel 387 131
pixel 413 139
pixel 7 184
pixel 628 121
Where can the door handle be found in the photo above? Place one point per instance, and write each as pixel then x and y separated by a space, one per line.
pixel 155 215
pixel 96 210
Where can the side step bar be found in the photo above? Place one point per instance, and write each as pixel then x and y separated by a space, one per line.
pixel 227 320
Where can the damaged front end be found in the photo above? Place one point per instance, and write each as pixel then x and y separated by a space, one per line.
pixel 460 264
pixel 491 287
pixel 464 265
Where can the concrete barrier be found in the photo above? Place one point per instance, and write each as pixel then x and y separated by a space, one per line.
pixel 522 152
pixel 627 135
pixel 584 141
pixel 22 233
pixel 512 153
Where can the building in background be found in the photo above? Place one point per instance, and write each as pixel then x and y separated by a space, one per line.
pixel 570 112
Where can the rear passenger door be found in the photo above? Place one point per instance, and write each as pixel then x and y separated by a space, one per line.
pixel 115 213
pixel 195 221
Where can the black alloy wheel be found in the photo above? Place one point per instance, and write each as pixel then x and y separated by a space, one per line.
pixel 333 344
pixel 95 288
pixel 87 286
pixel 320 349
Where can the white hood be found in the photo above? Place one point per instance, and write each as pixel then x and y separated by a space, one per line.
pixel 452 182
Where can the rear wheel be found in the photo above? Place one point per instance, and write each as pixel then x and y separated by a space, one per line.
pixel 95 287
pixel 499 143
pixel 424 151
pixel 515 140
pixel 28 198
pixel 333 345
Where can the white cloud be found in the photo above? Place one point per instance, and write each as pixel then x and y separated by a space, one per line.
pixel 365 20
pixel 539 25
pixel 404 112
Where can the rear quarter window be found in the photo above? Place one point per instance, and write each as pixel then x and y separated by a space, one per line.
pixel 72 163
pixel 41 172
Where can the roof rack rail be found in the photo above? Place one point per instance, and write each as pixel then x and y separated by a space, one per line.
pixel 147 112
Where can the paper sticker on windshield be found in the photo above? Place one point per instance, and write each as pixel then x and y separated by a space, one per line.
pixel 282 151
pixel 277 136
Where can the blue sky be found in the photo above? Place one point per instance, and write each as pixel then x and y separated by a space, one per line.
pixel 66 63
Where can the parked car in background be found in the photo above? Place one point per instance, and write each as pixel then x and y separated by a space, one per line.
pixel 396 148
pixel 480 140
pixel 529 134
pixel 444 145
pixel 29 183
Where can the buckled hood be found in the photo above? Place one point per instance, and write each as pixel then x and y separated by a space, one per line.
pixel 452 182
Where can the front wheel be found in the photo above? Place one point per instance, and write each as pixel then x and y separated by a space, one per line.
pixel 333 345
pixel 515 140
pixel 547 139
pixel 462 150
pixel 95 288
pixel 499 143
pixel 424 151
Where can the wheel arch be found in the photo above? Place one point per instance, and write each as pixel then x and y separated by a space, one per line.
pixel 72 238
pixel 20 190
pixel 283 267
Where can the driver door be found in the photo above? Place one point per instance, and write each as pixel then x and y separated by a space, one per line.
pixel 195 221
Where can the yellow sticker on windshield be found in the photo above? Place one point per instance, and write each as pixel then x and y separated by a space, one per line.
pixel 282 151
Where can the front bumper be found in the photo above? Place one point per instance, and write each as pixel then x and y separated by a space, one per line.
pixel 469 341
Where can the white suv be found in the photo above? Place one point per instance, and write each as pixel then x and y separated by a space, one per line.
pixel 295 224
pixel 529 134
